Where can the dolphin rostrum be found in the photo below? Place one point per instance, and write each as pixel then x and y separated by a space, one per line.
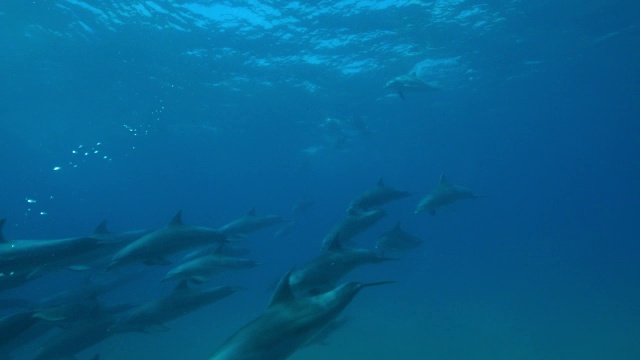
pixel 175 237
pixel 444 194
pixel 288 324
pixel 377 196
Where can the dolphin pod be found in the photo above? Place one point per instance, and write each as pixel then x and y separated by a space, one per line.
pixel 304 309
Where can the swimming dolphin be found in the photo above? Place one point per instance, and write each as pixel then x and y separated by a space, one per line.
pixel 408 83
pixel 377 196
pixel 356 222
pixel 11 326
pixel 250 223
pixel 397 239
pixel 200 269
pixel 102 233
pixel 175 237
pixel 36 257
pixel 182 300
pixel 288 324
pixel 322 273
pixel 444 194
pixel 324 334
pixel 81 336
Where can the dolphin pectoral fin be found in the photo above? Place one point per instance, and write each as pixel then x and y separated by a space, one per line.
pixel 199 279
pixel 78 268
pixel 401 94
pixel 52 314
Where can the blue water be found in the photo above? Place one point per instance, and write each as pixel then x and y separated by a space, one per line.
pixel 131 112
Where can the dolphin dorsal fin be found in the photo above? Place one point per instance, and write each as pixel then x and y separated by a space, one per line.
pixel 177 219
pixel 101 229
pixel 335 244
pixel 252 212
pixel 283 291
pixel 380 182
pixel 397 227
pixel 443 180
pixel 2 239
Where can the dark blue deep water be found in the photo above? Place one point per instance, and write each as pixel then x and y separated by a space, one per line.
pixel 132 110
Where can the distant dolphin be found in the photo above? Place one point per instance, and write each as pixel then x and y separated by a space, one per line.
pixel 322 273
pixel 378 196
pixel 250 223
pixel 175 237
pixel 444 194
pixel 408 83
pixel 397 239
pixel 288 324
pixel 356 222
pixel 201 268
pixel 182 300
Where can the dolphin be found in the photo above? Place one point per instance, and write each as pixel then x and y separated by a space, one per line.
pixel 175 237
pixel 250 223
pixel 322 273
pixel 377 196
pixel 408 83
pixel 80 336
pixel 397 239
pixel 38 256
pixel 444 194
pixel 288 323
pixel 321 337
pixel 200 269
pixel 356 222
pixel 11 326
pixel 102 233
pixel 182 300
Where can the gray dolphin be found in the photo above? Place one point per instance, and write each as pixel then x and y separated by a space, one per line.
pixel 102 233
pixel 397 239
pixel 250 223
pixel 288 324
pixel 201 268
pixel 408 83
pixel 356 222
pixel 38 256
pixel 377 196
pixel 175 237
pixel 444 194
pixel 80 336
pixel 11 326
pixel 181 301
pixel 322 273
